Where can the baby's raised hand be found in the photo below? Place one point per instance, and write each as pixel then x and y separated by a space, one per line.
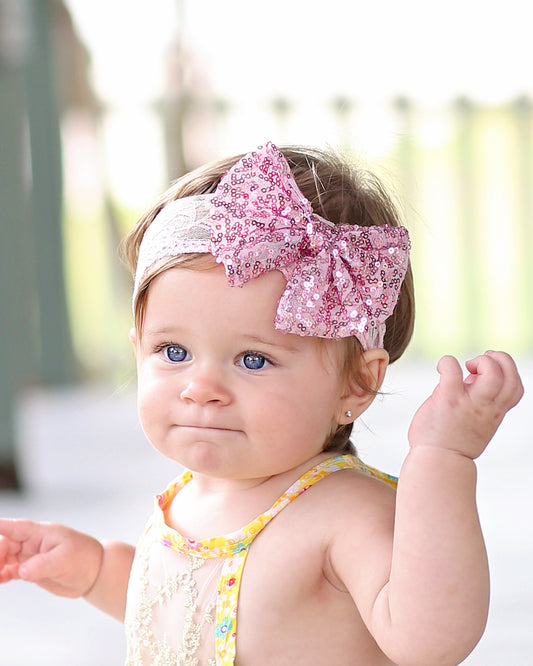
pixel 463 414
pixel 57 558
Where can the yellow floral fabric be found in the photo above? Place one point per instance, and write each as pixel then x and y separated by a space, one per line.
pixel 230 551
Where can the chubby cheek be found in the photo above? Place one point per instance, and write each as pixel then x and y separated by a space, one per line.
pixel 152 404
pixel 300 420
pixel 319 417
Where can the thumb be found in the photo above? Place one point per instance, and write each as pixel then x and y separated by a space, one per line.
pixel 451 374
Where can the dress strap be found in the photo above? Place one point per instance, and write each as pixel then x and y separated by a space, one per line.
pixel 231 576
pixel 231 544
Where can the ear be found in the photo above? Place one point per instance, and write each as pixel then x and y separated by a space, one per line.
pixel 355 400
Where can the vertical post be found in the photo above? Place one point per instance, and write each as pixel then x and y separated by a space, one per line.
pixel 524 119
pixel 406 150
pixel 468 247
pixel 18 356
pixel 176 104
pixel 281 109
pixel 56 356
pixel 406 162
pixel 342 108
pixel 34 332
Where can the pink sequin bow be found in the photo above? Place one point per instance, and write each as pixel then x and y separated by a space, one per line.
pixel 342 280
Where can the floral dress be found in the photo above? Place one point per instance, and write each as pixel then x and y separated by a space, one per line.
pixel 183 594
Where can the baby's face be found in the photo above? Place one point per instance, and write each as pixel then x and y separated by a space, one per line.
pixel 220 390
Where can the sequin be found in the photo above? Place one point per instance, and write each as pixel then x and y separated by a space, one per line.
pixel 355 269
pixel 258 220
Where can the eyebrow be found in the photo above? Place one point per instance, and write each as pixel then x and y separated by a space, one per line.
pixel 257 339
pixel 165 330
pixel 248 338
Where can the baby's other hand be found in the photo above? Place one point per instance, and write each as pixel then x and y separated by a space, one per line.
pixel 55 557
pixel 463 414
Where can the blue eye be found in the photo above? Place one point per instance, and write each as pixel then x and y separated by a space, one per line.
pixel 176 354
pixel 254 361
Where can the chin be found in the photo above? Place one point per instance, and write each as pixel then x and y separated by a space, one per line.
pixel 201 457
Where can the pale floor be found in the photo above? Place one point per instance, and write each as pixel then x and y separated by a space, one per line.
pixel 87 464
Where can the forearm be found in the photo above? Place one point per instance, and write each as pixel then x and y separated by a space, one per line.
pixel 438 589
pixel 108 592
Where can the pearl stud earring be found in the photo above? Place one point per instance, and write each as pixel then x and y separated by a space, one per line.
pixel 348 414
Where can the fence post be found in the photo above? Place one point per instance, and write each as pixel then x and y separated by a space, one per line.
pixel 56 362
pixel 18 344
pixel 523 108
pixel 468 247
pixel 35 342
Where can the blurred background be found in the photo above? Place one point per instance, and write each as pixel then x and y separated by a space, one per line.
pixel 104 103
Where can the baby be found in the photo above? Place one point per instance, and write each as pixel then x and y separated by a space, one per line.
pixel 271 292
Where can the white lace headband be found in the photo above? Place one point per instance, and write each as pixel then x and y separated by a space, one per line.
pixel 183 226
pixel 342 280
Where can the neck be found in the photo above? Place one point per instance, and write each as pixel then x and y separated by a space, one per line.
pixel 208 485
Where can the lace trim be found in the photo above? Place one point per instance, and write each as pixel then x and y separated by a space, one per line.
pixel 232 550
pixel 139 631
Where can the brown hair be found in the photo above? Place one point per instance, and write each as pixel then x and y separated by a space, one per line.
pixel 341 193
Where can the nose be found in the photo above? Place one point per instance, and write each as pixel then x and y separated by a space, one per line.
pixel 205 387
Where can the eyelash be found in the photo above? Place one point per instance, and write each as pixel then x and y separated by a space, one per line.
pixel 267 360
pixel 169 345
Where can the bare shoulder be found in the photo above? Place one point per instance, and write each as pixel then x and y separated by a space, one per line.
pixel 356 516
pixel 353 493
pixel 349 506
pixel 290 589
